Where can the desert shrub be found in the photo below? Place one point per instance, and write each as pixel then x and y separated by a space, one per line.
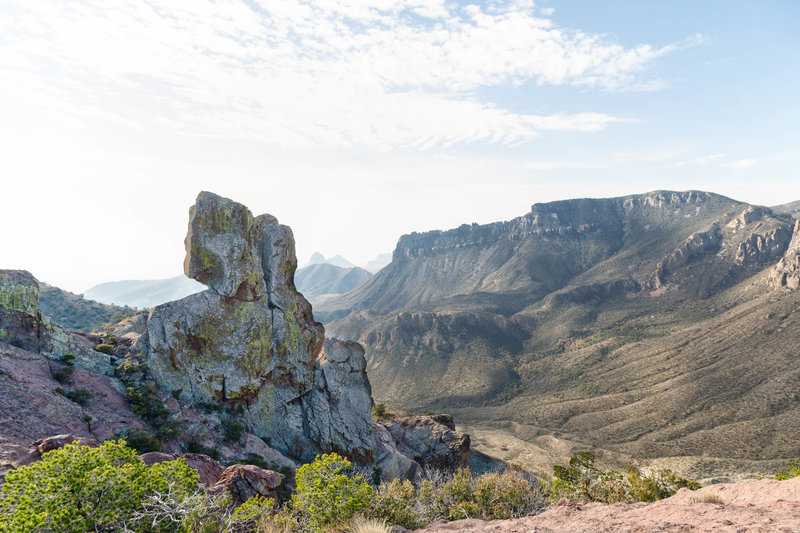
pixel 362 524
pixel 455 496
pixel 395 502
pixel 62 375
pixel 709 497
pixel 107 349
pixel 793 470
pixel 142 441
pixel 328 495
pixel 656 485
pixel 489 496
pixel 145 403
pixel 128 370
pixel 380 412
pixel 79 396
pixel 582 480
pixel 194 446
pixel 79 489
pixel 507 495
pixel 233 428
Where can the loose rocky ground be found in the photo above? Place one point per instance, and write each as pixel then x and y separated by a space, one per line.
pixel 765 505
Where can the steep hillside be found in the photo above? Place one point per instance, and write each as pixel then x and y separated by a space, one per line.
pixel 143 293
pixel 792 208
pixel 76 313
pixel 322 279
pixel 647 325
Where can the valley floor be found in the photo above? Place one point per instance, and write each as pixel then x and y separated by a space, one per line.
pixel 538 453
pixel 765 505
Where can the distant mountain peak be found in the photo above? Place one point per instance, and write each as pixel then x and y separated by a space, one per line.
pixel 336 260
pixel 316 258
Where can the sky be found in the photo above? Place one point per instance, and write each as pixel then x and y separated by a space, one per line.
pixel 358 121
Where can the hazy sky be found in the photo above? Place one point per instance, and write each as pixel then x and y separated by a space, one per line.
pixel 357 121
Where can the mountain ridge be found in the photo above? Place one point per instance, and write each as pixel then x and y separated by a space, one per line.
pixel 491 321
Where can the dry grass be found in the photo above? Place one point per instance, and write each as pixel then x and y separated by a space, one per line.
pixel 708 497
pixel 361 524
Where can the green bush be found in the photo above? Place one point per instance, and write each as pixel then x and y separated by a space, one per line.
pixel 129 370
pixel 79 396
pixel 456 496
pixel 79 489
pixel 62 375
pixel 793 470
pixel 142 441
pixel 145 403
pixel 395 502
pixel 233 428
pixel 194 446
pixel 380 412
pixel 328 495
pixel 107 349
pixel 582 480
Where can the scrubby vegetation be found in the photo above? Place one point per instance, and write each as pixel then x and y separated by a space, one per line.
pixel 582 480
pixel 380 412
pixel 793 470
pixel 455 496
pixel 78 489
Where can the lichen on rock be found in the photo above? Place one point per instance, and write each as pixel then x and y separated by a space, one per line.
pixel 251 340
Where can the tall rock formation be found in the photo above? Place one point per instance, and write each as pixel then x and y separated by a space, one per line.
pixel 20 321
pixel 787 272
pixel 250 340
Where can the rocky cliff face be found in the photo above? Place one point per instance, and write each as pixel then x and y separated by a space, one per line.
pixel 250 339
pixel 20 319
pixel 787 272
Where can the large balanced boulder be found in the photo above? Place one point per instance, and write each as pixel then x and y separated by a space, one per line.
pixel 250 340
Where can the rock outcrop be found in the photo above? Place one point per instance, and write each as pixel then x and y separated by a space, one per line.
pixel 20 320
pixel 430 440
pixel 209 470
pixel 251 341
pixel 694 247
pixel 245 481
pixel 23 326
pixel 787 272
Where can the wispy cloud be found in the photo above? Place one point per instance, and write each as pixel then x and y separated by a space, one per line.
pixel 717 160
pixel 740 163
pixel 700 161
pixel 380 74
